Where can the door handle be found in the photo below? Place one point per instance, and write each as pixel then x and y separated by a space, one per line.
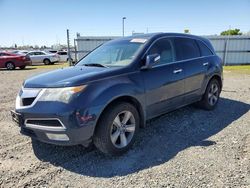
pixel 205 64
pixel 177 71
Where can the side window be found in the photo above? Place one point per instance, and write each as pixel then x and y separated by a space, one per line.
pixel 62 53
pixel 205 51
pixel 31 53
pixel 186 49
pixel 39 53
pixel 164 48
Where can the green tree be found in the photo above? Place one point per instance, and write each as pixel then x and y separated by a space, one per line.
pixel 231 32
pixel 186 31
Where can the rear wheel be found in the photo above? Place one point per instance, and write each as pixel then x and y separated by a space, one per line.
pixel 46 61
pixel 10 66
pixel 22 67
pixel 211 96
pixel 117 129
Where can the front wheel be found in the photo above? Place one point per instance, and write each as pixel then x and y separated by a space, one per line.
pixel 46 62
pixel 117 129
pixel 211 96
pixel 10 66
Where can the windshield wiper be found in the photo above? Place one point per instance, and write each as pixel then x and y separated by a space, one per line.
pixel 95 65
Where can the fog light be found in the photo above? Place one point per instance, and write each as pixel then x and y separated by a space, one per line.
pixel 59 137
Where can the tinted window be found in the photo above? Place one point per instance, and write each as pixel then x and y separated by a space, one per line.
pixel 39 53
pixel 205 51
pixel 186 48
pixel 164 48
pixel 62 53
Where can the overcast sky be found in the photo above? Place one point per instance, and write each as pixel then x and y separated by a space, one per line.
pixel 44 22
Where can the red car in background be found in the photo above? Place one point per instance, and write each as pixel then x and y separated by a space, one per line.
pixel 11 61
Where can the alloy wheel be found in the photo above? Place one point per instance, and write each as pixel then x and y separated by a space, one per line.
pixel 213 94
pixel 10 66
pixel 123 129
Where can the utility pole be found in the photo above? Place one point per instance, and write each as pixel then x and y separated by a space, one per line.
pixel 75 50
pixel 123 20
pixel 226 48
pixel 69 55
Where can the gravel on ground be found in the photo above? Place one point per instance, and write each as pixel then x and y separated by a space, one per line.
pixel 185 148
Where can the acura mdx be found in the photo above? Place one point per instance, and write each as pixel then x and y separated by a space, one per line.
pixel 109 94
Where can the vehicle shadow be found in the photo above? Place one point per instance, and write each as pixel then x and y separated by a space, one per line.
pixel 159 142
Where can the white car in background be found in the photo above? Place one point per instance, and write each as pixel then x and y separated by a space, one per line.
pixel 63 55
pixel 39 57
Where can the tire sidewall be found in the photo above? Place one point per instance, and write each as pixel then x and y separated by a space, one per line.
pixel 107 122
pixel 13 66
pixel 46 61
pixel 208 105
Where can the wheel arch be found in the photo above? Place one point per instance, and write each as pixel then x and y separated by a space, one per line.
pixel 46 59
pixel 9 62
pixel 129 99
pixel 214 76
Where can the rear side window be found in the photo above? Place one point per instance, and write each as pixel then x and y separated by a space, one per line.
pixel 205 51
pixel 62 53
pixel 164 48
pixel 186 49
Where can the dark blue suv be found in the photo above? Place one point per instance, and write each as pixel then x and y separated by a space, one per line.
pixel 109 94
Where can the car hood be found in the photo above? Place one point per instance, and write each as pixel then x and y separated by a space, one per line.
pixel 65 77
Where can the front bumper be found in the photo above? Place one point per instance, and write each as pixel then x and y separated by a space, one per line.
pixel 72 131
pixel 66 137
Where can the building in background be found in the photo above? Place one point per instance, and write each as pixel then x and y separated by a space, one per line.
pixel 84 45
pixel 233 50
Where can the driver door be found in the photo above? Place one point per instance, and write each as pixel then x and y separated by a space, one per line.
pixel 164 82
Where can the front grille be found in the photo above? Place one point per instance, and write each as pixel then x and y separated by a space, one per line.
pixel 45 122
pixel 27 101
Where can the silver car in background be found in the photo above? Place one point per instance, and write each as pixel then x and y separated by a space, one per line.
pixel 41 57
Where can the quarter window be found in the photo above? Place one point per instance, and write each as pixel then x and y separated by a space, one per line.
pixel 205 51
pixel 164 48
pixel 186 49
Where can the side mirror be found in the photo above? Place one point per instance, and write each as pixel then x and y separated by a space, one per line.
pixel 151 60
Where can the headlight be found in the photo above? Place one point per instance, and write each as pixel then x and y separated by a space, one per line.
pixel 60 94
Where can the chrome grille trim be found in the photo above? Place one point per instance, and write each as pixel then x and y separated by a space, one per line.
pixel 27 93
pixel 41 127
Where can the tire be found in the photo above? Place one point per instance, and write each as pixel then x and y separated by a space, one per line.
pixel 112 137
pixel 22 67
pixel 46 62
pixel 211 97
pixel 10 66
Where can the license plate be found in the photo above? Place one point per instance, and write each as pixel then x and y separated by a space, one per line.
pixel 16 117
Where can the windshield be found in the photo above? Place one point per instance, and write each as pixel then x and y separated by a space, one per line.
pixel 114 54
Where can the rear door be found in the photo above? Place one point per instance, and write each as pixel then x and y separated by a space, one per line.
pixel 32 57
pixel 39 57
pixel 187 51
pixel 164 85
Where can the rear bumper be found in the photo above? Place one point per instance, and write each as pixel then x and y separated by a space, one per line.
pixel 53 60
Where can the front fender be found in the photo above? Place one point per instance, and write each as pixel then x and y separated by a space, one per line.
pixel 98 95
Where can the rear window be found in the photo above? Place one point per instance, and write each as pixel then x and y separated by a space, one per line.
pixel 205 51
pixel 62 53
pixel 186 49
